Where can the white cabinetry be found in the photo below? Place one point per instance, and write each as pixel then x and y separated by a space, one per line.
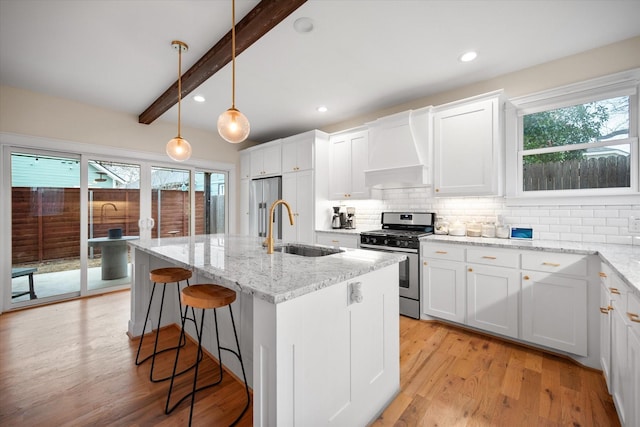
pixel 348 160
pixel 342 240
pixel 244 206
pixel 245 165
pixel 468 137
pixel 492 299
pixel 335 360
pixel 605 324
pixel 633 361
pixel 554 300
pixel 297 190
pixel 266 160
pixel 297 152
pixel 444 282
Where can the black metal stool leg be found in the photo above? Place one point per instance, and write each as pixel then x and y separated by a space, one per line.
pixel 146 318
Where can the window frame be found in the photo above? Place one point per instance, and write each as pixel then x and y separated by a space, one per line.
pixel 619 84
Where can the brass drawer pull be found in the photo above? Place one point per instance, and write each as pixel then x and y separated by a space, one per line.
pixel 551 264
pixel 442 252
pixel 634 317
pixel 606 310
pixel 335 241
pixel 526 277
pixel 603 274
pixel 470 269
pixel 615 291
pixel 424 263
pixel 489 257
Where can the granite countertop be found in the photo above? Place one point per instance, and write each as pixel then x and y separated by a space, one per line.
pixel 623 259
pixel 242 264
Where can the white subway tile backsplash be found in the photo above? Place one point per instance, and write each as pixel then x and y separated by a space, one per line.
pixel 588 223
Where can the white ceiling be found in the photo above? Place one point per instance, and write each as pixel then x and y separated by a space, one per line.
pixel 362 56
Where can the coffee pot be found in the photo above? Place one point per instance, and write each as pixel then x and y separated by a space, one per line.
pixel 335 220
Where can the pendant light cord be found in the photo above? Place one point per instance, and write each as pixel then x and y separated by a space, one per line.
pixel 233 54
pixel 179 85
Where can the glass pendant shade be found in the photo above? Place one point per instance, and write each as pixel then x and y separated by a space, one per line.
pixel 233 126
pixel 179 149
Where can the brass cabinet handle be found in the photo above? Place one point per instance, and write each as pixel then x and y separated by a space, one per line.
pixel 442 252
pixel 603 274
pixel 526 277
pixel 424 262
pixel 614 291
pixel 489 257
pixel 470 269
pixel 634 317
pixel 551 264
pixel 606 310
pixel 437 190
pixel 335 241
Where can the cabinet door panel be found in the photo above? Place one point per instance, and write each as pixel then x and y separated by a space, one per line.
pixel 443 289
pixel 272 160
pixel 605 334
pixel 632 393
pixel 359 163
pixel 619 367
pixel 554 311
pixel 340 169
pixel 304 207
pixel 492 299
pixel 289 193
pixel 467 138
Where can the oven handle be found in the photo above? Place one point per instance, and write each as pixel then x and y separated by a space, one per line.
pixel 388 249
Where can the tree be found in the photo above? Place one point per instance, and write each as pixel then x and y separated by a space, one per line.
pixel 565 126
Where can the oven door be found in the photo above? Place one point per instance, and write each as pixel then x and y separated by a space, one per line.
pixel 409 268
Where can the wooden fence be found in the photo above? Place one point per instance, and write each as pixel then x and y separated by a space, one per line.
pixel 603 172
pixel 46 221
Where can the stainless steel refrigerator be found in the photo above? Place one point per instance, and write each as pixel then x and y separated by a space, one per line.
pixel 262 194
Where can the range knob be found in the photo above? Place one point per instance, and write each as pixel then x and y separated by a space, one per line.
pixel 374 240
pixel 386 242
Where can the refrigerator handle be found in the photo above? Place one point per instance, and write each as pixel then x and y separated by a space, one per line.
pixel 260 219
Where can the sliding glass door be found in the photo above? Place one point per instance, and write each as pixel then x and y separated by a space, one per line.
pixel 45 226
pixel 114 211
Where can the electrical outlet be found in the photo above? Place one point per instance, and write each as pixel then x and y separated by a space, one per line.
pixel 634 225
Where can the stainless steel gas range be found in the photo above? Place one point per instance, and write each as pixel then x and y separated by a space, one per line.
pixel 400 233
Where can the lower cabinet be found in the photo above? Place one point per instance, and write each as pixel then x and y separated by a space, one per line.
pixel 632 393
pixel 492 299
pixel 619 369
pixel 533 296
pixel 554 311
pixel 605 332
pixel 444 289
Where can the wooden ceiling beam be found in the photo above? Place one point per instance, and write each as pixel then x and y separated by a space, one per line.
pixel 258 22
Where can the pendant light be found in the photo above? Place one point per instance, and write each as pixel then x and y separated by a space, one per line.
pixel 233 126
pixel 178 148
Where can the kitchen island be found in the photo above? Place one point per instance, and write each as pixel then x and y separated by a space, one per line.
pixel 318 334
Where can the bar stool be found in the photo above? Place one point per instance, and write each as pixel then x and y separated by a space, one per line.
pixel 165 276
pixel 205 297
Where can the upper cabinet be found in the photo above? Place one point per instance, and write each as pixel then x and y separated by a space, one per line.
pixel 348 160
pixel 266 160
pixel 297 152
pixel 468 147
pixel 245 165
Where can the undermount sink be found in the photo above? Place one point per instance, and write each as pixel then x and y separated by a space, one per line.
pixel 305 250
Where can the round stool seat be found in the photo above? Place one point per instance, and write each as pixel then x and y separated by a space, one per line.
pixel 169 275
pixel 207 296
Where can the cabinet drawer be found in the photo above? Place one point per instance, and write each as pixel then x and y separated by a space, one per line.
pixel 491 256
pixel 448 252
pixel 571 264
pixel 337 239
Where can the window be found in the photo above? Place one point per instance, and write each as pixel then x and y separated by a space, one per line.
pixel 580 140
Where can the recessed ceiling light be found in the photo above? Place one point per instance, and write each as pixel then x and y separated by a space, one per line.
pixel 303 25
pixel 322 109
pixel 199 98
pixel 468 56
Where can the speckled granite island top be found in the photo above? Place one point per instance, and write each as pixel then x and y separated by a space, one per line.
pixel 623 259
pixel 242 264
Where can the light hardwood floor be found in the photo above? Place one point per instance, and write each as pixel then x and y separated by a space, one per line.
pixel 71 364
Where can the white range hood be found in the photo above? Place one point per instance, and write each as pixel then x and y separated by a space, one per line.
pixel 399 150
